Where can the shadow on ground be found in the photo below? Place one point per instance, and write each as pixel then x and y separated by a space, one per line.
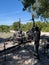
pixel 2 40
pixel 25 55
pixel 21 56
pixel 45 37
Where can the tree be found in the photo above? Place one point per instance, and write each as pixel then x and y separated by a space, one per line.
pixel 4 28
pixel 44 8
pixel 28 6
pixel 15 26
pixel 28 25
pixel 37 8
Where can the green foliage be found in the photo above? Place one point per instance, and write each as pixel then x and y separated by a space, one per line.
pixel 15 26
pixel 4 28
pixel 45 29
pixel 27 3
pixel 11 27
pixel 44 8
pixel 39 24
pixel 44 26
pixel 41 7
pixel 29 25
pixel 37 8
pixel 23 27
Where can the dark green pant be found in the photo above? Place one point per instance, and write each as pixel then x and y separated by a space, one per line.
pixel 37 47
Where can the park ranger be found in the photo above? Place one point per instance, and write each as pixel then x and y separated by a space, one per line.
pixel 36 39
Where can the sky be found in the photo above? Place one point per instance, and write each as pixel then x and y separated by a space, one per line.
pixel 11 11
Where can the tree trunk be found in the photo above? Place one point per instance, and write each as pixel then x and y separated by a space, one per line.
pixel 33 22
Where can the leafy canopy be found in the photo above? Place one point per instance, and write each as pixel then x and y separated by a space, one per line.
pixel 37 7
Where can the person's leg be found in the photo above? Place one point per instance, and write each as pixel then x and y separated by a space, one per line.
pixel 35 46
pixel 37 49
